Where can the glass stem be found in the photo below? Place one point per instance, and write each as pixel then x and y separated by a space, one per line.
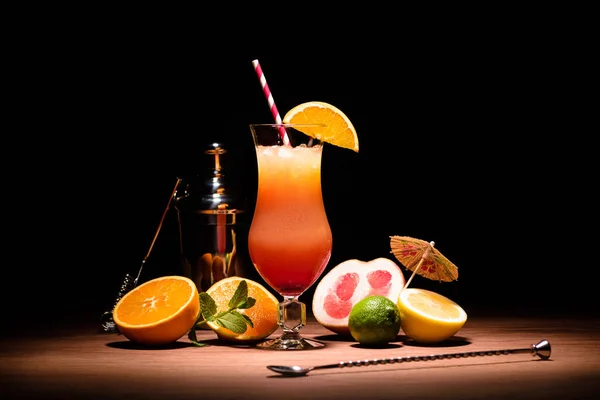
pixel 292 315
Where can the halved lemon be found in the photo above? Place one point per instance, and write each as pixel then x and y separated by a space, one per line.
pixel 429 317
pixel 263 313
pixel 338 130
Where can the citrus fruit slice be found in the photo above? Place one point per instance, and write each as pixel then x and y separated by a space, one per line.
pixel 263 313
pixel 374 321
pixel 337 130
pixel 159 311
pixel 429 317
pixel 349 282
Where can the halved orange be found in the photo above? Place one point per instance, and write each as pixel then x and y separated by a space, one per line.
pixel 338 130
pixel 263 313
pixel 159 311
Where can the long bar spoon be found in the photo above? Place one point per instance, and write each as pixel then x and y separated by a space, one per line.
pixel 541 349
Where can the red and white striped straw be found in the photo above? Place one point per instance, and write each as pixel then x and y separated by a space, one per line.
pixel 269 96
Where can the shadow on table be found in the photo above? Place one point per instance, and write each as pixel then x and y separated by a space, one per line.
pixel 400 340
pixel 126 344
pixel 129 345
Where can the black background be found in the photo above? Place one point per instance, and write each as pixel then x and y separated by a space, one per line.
pixel 470 140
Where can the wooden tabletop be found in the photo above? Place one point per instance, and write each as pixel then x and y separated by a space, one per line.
pixel 83 362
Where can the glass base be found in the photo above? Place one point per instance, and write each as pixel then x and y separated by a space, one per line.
pixel 290 341
pixel 291 317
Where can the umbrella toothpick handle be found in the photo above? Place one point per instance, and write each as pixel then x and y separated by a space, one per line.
pixel 423 257
pixel 414 272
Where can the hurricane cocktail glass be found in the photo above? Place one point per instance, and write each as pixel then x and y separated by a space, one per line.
pixel 290 238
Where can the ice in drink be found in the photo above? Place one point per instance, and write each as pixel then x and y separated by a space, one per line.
pixel 290 239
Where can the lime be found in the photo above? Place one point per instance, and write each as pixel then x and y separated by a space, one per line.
pixel 374 321
pixel 348 283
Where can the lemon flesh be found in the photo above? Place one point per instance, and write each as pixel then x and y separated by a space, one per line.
pixel 428 317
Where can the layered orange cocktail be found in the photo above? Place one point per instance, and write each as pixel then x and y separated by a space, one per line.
pixel 290 239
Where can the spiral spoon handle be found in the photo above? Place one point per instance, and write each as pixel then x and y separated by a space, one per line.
pixel 541 349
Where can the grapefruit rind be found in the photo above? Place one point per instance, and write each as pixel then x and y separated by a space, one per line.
pixel 327 284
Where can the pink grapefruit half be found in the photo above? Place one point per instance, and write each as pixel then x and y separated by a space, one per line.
pixel 349 282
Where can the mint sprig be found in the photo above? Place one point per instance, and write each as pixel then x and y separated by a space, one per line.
pixel 230 319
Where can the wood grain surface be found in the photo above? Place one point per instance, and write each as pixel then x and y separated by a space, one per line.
pixel 85 363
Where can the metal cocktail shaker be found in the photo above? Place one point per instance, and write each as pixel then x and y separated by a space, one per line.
pixel 209 224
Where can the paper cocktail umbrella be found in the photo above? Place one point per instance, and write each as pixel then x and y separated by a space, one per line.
pixel 423 258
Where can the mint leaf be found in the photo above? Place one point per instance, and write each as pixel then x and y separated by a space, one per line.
pixel 234 321
pixel 248 320
pixel 240 295
pixel 248 303
pixel 230 319
pixel 194 339
pixel 208 306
